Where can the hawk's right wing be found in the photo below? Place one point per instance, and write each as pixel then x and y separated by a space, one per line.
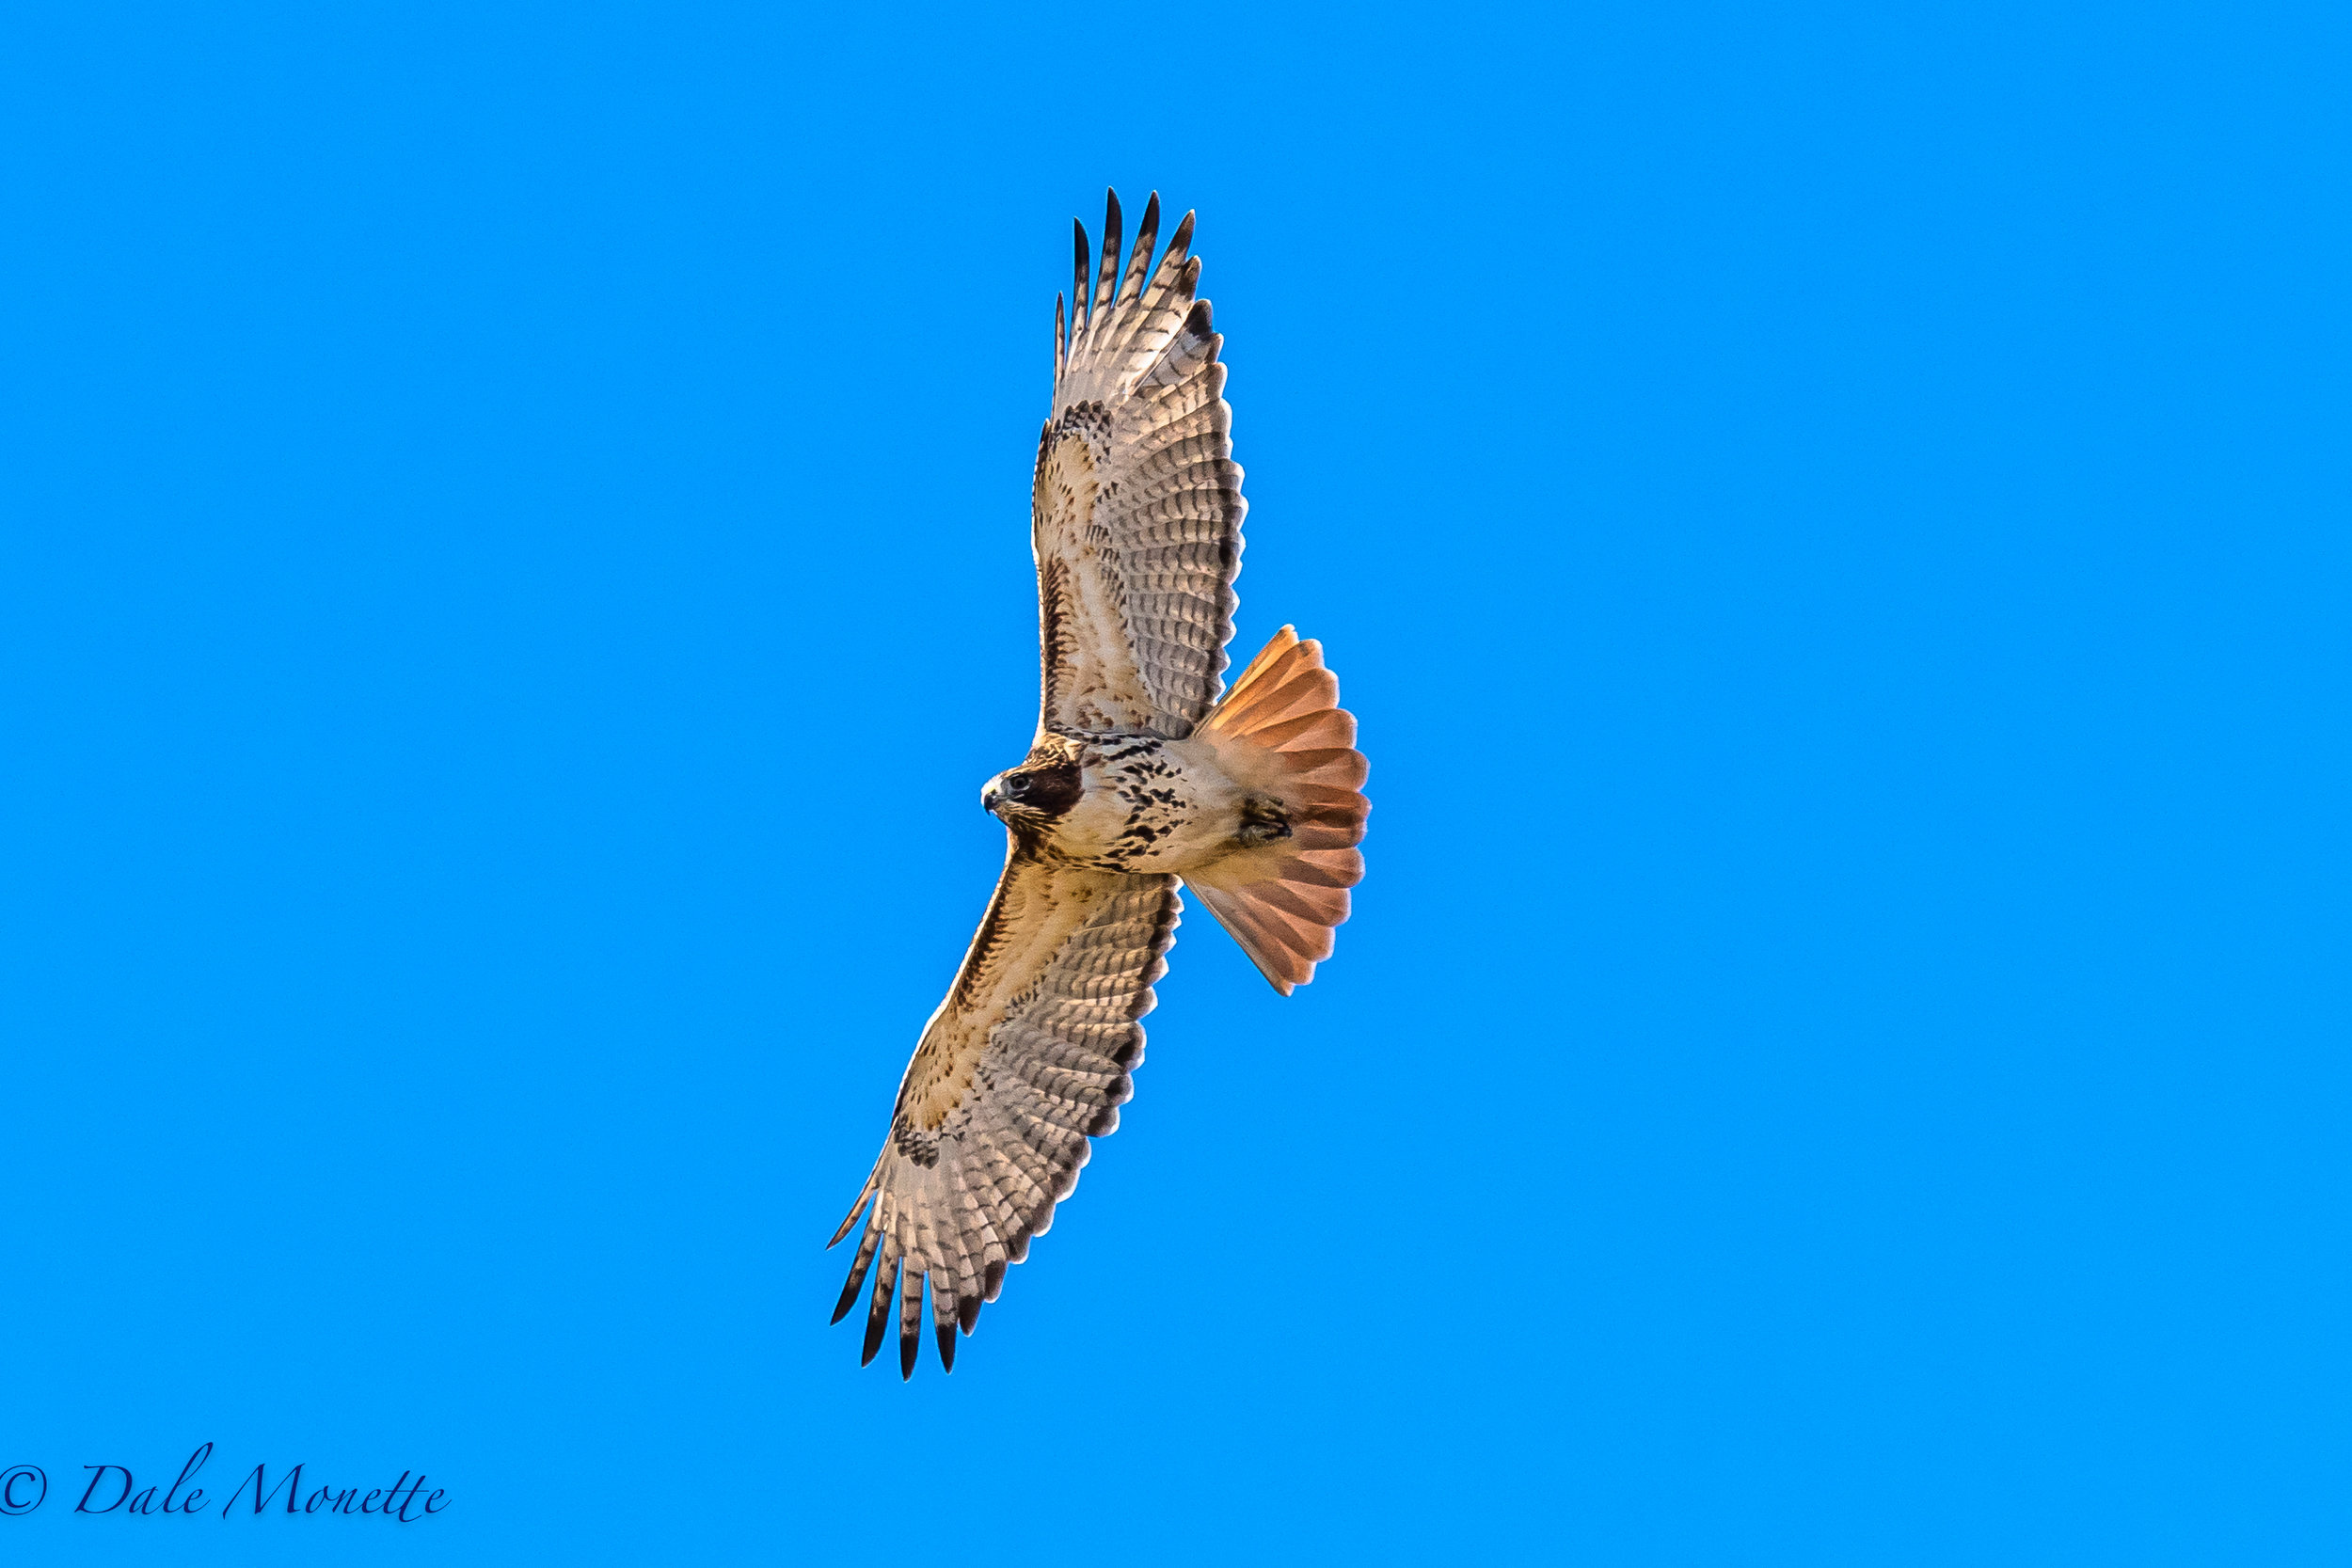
pixel 1027 1059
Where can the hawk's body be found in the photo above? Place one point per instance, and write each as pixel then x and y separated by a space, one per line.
pixel 1139 776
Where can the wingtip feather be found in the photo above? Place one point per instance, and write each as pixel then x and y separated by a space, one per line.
pixel 878 1312
pixel 1139 262
pixel 858 1266
pixel 1106 271
pixel 855 1209
pixel 910 1323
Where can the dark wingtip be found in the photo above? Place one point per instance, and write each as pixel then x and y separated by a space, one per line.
pixel 885 1287
pixel 858 1266
pixel 910 1323
pixel 1107 271
pixel 968 1313
pixel 947 1346
pixel 855 1209
pixel 1139 263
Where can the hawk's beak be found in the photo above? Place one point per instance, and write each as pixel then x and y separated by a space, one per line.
pixel 988 800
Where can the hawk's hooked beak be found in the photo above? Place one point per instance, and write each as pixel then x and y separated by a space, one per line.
pixel 989 797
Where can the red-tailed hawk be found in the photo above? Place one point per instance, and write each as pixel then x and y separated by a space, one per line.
pixel 1141 776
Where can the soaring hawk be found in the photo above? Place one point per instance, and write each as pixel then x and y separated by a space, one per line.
pixel 1140 776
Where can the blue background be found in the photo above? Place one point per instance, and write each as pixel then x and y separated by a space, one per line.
pixel 1833 520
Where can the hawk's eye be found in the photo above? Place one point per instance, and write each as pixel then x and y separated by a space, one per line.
pixel 1047 789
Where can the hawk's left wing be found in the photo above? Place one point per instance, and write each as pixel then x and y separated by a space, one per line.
pixel 1135 513
pixel 1027 1059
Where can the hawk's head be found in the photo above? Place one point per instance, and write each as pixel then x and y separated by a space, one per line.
pixel 1033 794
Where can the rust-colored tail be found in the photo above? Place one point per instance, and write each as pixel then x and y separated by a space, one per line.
pixel 1282 733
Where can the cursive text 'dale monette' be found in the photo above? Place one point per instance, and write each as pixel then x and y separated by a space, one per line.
pixel 115 1490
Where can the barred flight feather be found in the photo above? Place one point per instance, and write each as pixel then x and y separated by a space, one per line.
pixel 1136 508
pixel 1043 1037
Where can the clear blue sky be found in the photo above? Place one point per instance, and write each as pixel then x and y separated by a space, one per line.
pixel 1833 519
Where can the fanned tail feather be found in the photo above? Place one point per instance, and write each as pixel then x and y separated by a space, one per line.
pixel 1281 732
